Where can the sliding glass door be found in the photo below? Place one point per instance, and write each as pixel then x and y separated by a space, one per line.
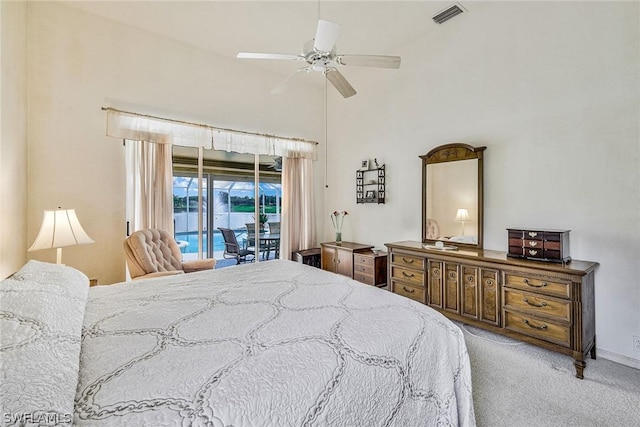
pixel 228 201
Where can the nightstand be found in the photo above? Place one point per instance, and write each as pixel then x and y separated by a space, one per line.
pixel 370 268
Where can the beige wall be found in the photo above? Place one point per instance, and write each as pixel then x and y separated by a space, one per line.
pixel 13 136
pixel 553 92
pixel 78 63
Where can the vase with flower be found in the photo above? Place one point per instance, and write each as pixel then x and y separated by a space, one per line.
pixel 337 219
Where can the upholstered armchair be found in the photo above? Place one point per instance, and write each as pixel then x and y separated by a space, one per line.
pixel 154 253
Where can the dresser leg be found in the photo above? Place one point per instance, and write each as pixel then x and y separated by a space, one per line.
pixel 580 365
pixel 593 349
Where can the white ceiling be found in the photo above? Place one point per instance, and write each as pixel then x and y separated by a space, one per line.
pixel 229 27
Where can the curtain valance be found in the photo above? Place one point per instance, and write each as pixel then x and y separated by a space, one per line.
pixel 139 127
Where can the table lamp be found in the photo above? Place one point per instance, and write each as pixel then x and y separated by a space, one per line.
pixel 60 228
pixel 462 216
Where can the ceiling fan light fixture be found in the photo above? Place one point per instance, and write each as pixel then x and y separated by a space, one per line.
pixel 320 53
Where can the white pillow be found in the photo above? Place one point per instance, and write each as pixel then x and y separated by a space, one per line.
pixel 41 313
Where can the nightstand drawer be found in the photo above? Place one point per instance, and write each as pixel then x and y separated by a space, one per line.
pixel 536 327
pixel 408 261
pixel 535 304
pixel 364 260
pixel 540 285
pixel 408 291
pixel 414 277
pixel 364 278
pixel 363 269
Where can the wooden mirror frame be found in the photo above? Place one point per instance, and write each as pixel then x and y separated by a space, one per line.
pixel 451 153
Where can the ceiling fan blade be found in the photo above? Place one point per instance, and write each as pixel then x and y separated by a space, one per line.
pixel 281 87
pixel 380 61
pixel 326 35
pixel 339 82
pixel 250 55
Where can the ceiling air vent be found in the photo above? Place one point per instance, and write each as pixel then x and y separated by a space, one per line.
pixel 447 14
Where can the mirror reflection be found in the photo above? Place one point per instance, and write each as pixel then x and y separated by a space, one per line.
pixel 452 201
pixel 452 196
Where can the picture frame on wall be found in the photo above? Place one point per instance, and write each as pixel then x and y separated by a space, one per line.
pixel 371 194
pixel 364 165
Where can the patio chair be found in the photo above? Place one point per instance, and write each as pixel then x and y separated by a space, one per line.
pixel 153 253
pixel 250 241
pixel 232 249
pixel 274 228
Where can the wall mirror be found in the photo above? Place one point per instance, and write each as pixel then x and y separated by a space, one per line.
pixel 452 196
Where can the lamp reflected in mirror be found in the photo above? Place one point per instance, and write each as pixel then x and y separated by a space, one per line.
pixel 462 216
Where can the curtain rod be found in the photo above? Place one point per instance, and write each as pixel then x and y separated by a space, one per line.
pixel 208 126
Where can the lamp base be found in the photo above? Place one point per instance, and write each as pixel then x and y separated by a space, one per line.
pixel 59 256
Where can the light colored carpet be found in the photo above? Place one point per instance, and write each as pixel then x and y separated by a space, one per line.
pixel 517 384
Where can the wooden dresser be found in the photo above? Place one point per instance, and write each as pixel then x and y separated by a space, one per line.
pixel 546 304
pixel 338 257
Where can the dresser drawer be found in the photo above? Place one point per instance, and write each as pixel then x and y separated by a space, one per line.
pixel 516 234
pixel 533 244
pixel 363 260
pixel 408 291
pixel 364 278
pixel 414 277
pixel 408 261
pixel 533 234
pixel 363 269
pixel 536 304
pixel 543 329
pixel 538 285
pixel 534 253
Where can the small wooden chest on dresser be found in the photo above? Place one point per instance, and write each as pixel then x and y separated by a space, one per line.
pixel 540 245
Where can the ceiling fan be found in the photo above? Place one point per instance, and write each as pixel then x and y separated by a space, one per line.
pixel 320 55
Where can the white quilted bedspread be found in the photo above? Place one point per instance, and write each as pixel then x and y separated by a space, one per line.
pixel 268 344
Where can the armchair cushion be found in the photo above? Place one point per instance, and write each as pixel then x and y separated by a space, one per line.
pixel 198 265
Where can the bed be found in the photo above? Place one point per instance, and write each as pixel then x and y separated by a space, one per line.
pixel 266 344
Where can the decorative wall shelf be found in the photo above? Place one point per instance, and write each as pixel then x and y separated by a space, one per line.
pixel 370 185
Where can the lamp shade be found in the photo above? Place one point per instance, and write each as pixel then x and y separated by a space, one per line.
pixel 60 228
pixel 462 215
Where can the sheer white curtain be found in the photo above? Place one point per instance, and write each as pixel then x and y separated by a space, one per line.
pixel 298 225
pixel 149 185
pixel 150 174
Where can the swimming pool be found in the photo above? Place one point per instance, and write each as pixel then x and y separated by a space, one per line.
pixel 191 237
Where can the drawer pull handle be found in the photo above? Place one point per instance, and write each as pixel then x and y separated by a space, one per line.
pixel 408 260
pixel 526 282
pixel 541 327
pixel 533 234
pixel 452 275
pixel 542 304
pixel 408 290
pixel 532 243
pixel 489 282
pixel 408 275
pixel 532 252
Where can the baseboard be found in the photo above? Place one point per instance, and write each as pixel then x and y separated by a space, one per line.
pixel 618 358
